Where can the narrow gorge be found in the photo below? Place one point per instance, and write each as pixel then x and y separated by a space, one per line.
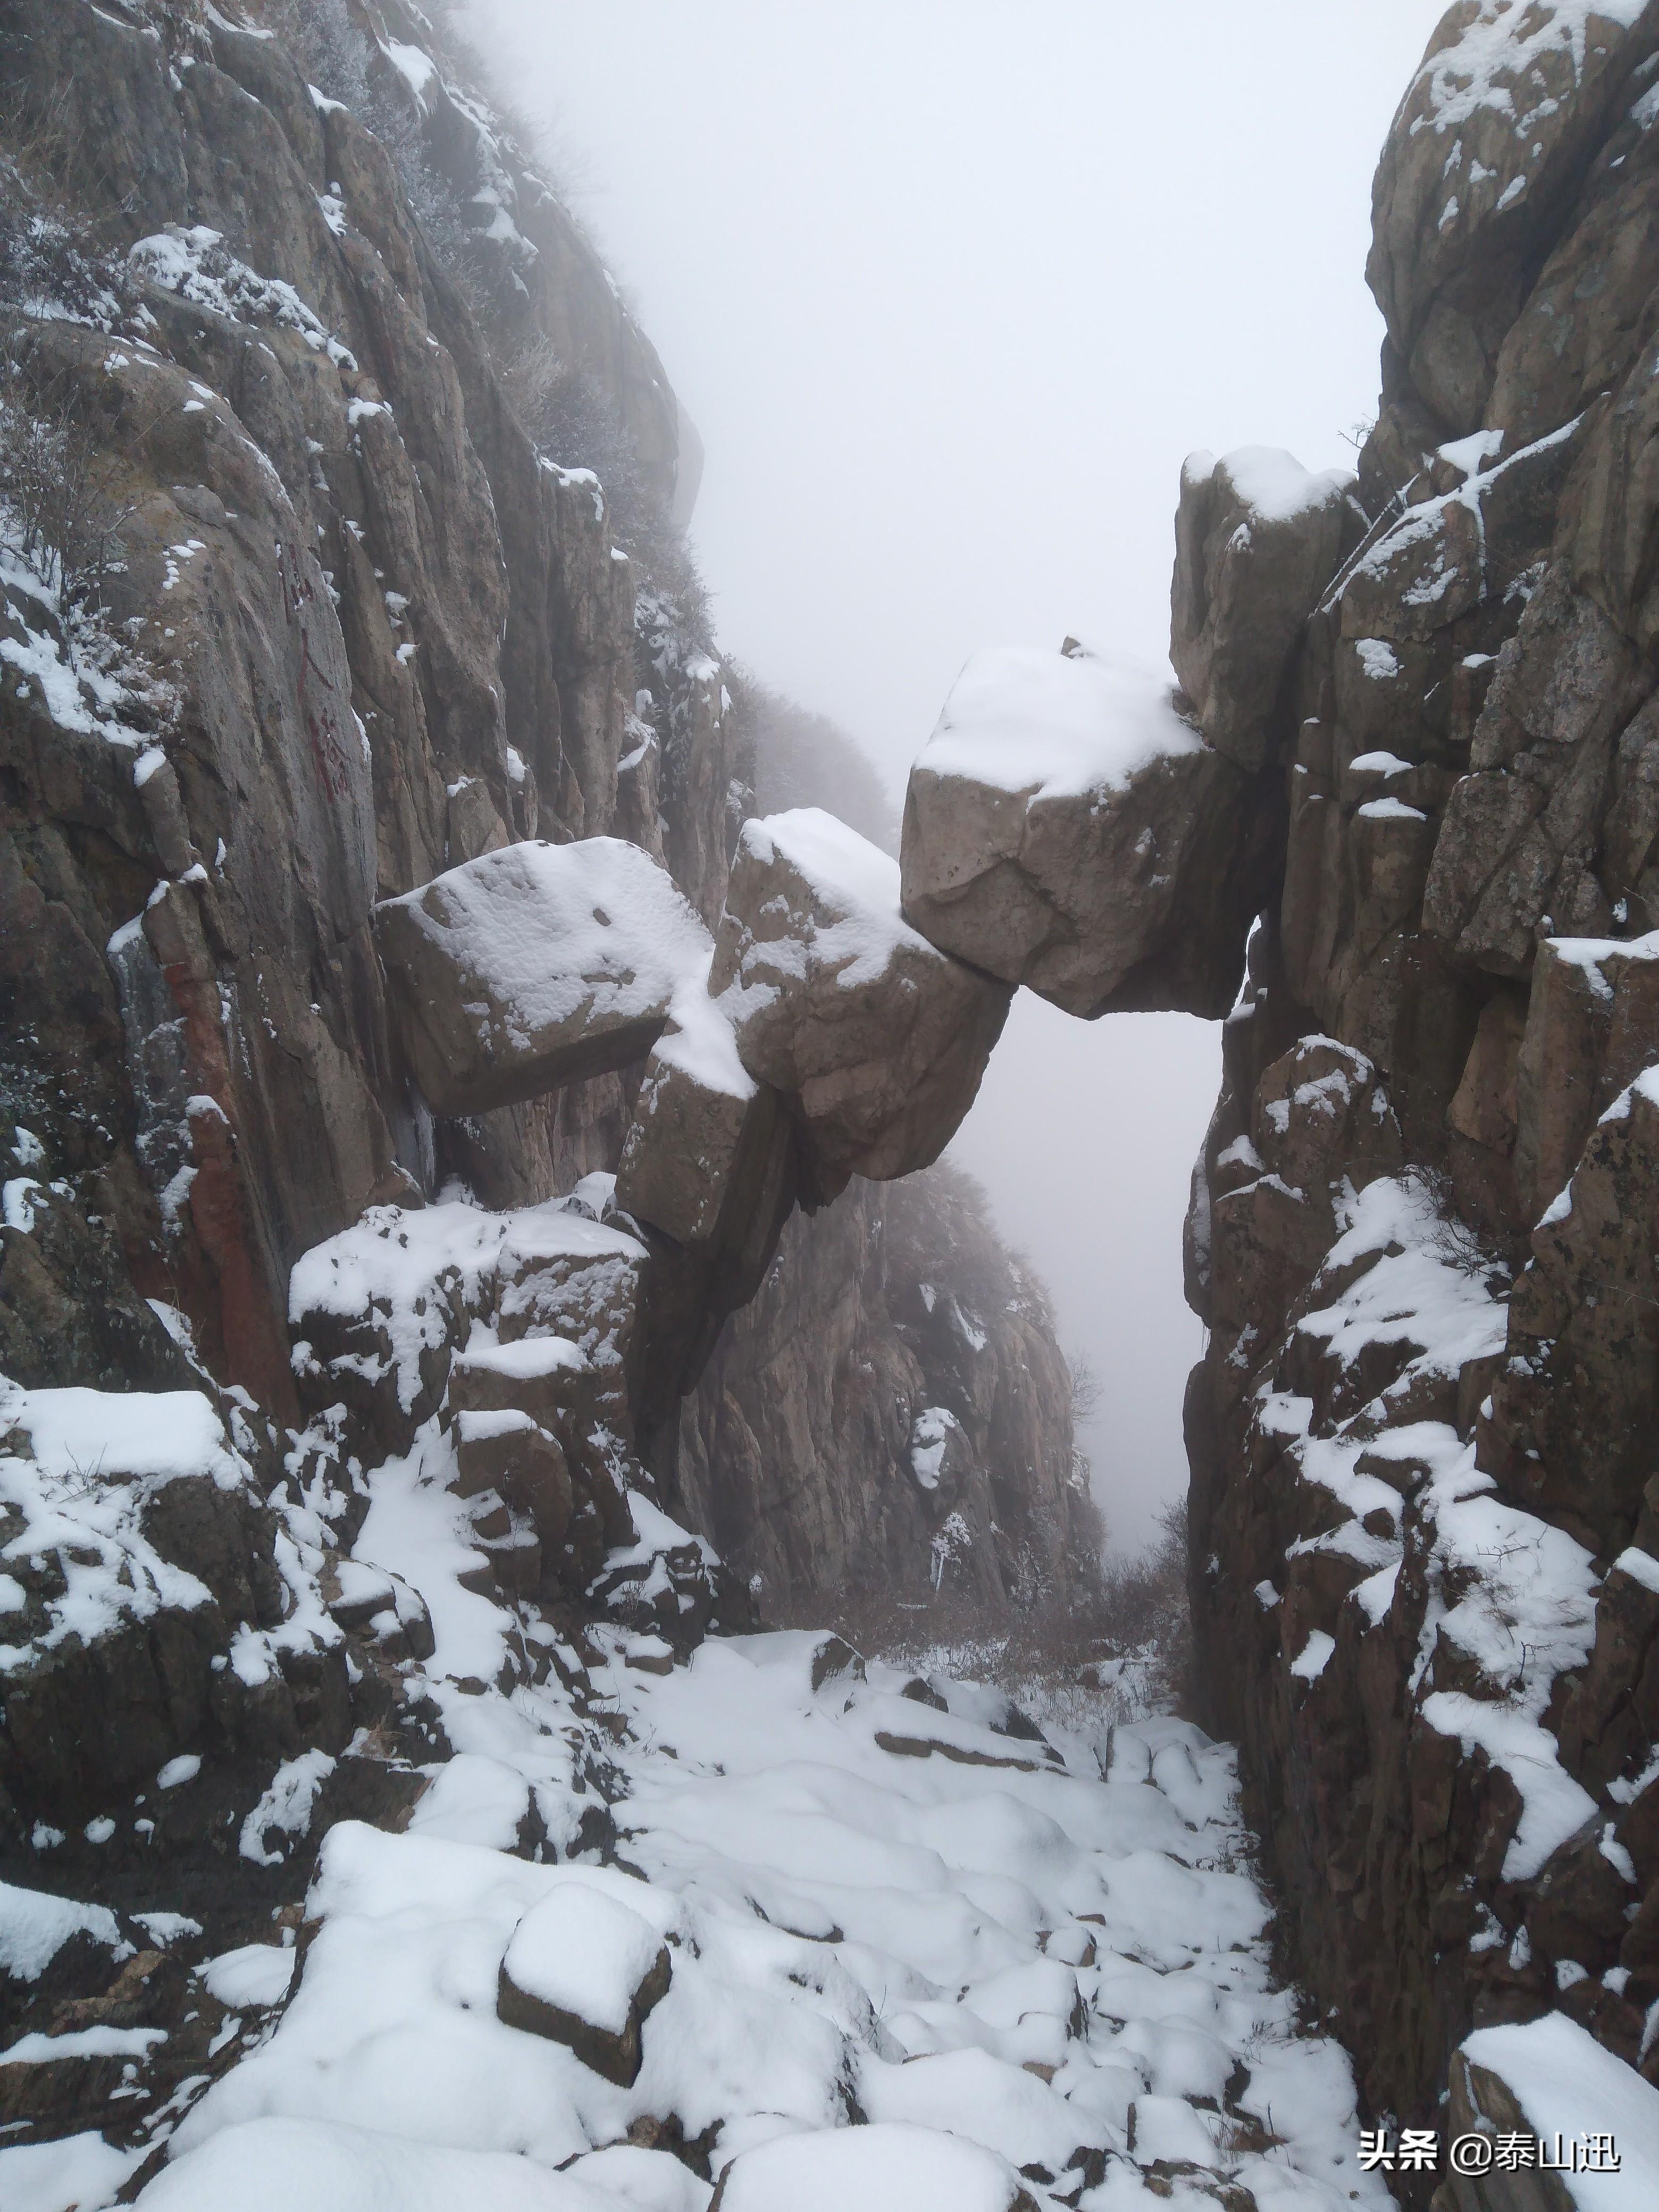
pixel 478 1249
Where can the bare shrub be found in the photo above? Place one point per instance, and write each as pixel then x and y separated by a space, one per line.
pixel 1123 1648
pixel 1144 1606
pixel 55 256
pixel 58 487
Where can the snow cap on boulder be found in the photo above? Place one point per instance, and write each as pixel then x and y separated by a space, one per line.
pixel 889 2167
pixel 877 1037
pixel 534 966
pixel 1066 828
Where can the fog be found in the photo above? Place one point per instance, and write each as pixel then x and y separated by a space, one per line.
pixel 949 288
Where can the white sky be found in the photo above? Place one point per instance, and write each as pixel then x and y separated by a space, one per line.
pixel 949 288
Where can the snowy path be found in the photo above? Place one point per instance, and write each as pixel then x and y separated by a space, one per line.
pixel 1022 1978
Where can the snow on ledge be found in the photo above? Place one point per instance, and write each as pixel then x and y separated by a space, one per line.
pixel 1272 483
pixel 1564 2082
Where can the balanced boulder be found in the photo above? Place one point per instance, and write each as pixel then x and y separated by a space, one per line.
pixel 534 966
pixel 877 1036
pixel 1067 828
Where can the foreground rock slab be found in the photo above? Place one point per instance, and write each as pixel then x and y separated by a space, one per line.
pixel 878 1038
pixel 534 966
pixel 1066 827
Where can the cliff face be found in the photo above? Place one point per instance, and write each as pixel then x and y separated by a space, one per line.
pixel 1425 1487
pixel 886 1418
pixel 326 618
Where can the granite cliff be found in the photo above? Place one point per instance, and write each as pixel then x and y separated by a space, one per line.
pixel 1426 1554
pixel 457 1135
pixel 305 290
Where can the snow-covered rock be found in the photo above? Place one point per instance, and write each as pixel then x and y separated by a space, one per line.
pixel 382 1311
pixel 885 2167
pixel 278 2165
pixel 136 1553
pixel 534 966
pixel 895 1981
pixel 876 1038
pixel 1493 134
pixel 585 1968
pixel 1258 538
pixel 1067 829
pixel 1547 2079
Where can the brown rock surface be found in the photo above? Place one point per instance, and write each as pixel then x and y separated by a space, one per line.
pixel 1257 541
pixel 1477 175
pixel 534 966
pixel 876 1039
pixel 1065 829
pixel 1403 1352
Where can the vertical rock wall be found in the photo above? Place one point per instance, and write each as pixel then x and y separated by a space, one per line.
pixel 1425 1467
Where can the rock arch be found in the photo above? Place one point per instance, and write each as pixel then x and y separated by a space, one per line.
pixel 1074 825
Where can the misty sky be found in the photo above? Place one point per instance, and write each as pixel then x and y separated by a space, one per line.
pixel 949 288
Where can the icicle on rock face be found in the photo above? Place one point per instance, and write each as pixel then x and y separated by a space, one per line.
pixel 534 966
pixel 1067 828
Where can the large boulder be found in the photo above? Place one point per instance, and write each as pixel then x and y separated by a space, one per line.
pixel 534 966
pixel 877 1037
pixel 1258 538
pixel 1484 155
pixel 1066 828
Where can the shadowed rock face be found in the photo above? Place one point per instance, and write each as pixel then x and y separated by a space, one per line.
pixel 1065 829
pixel 532 967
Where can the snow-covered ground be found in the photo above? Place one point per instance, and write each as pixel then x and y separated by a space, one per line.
pixel 915 1960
